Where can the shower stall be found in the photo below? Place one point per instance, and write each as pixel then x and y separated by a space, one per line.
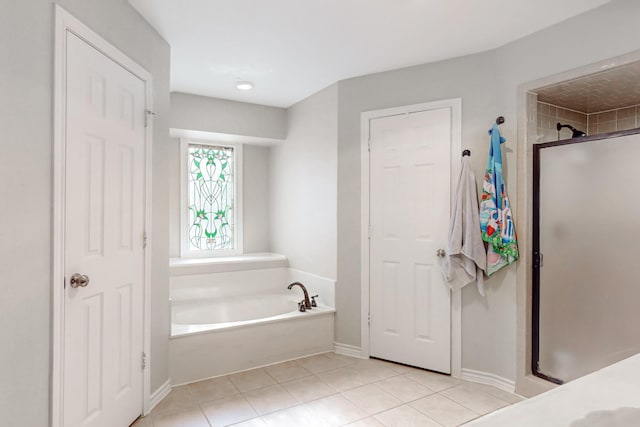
pixel 586 254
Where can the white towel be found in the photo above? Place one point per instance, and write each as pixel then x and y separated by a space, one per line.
pixel 466 258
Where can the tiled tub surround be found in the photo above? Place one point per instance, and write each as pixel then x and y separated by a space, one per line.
pixel 328 390
pixel 593 124
pixel 215 329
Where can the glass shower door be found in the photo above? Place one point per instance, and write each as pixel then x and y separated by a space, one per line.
pixel 589 240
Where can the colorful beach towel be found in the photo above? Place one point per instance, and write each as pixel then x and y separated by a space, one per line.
pixel 496 222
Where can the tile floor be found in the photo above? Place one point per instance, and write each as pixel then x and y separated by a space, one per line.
pixel 328 390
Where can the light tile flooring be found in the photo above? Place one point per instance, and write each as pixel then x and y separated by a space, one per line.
pixel 328 390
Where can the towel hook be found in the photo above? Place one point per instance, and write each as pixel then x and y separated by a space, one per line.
pixel 500 120
pixel 466 153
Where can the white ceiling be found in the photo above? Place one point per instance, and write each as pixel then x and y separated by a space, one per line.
pixel 291 49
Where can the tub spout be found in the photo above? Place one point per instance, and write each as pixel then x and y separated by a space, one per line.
pixel 307 303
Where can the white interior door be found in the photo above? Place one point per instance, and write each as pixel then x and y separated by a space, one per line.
pixel 104 226
pixel 410 306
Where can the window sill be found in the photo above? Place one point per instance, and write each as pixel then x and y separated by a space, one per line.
pixel 186 266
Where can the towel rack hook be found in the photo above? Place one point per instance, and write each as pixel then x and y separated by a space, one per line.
pixel 500 120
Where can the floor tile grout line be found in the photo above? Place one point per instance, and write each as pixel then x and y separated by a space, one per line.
pixel 375 413
pixel 300 403
pixel 479 391
pixel 455 401
pixel 413 401
pixel 204 414
pixel 247 400
pixel 405 404
pixel 364 374
pixel 448 398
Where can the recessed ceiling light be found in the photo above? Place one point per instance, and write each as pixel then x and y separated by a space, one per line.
pixel 245 85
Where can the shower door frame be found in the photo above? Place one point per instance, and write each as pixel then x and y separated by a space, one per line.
pixel 535 241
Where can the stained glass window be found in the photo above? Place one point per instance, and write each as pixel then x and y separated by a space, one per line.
pixel 211 194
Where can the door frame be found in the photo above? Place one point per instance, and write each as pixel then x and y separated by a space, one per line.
pixel 455 105
pixel 65 22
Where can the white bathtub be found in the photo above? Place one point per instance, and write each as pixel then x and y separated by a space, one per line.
pixel 202 315
pixel 233 321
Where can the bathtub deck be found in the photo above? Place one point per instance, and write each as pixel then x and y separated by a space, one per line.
pixel 178 330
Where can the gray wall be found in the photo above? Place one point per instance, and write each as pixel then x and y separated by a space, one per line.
pixel 256 198
pixel 202 113
pixel 239 119
pixel 488 84
pixel 26 92
pixel 303 186
pixel 174 197
pixel 470 78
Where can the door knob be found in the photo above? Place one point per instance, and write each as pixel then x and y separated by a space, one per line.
pixel 440 253
pixel 79 280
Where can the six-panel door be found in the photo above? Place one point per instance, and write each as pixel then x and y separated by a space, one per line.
pixel 104 220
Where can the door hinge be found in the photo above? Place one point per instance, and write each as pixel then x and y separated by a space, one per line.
pixel 370 232
pixel 369 144
pixel 147 113
pixel 144 360
pixel 369 319
pixel 538 260
pixel 144 239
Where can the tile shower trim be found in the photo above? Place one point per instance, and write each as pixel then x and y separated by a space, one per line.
pixel 590 123
pixel 565 108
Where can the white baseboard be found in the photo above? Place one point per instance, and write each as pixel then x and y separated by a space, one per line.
pixel 347 350
pixel 489 379
pixel 157 396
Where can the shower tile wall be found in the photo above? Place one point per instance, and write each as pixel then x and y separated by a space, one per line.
pixel 549 115
pixel 610 121
pixel 593 124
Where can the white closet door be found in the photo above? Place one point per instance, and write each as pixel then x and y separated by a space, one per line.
pixel 104 214
pixel 410 309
